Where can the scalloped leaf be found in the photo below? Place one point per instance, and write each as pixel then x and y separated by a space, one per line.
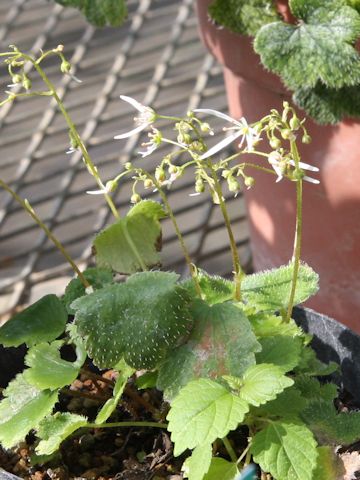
pixel 269 325
pixel 214 288
pixel 202 412
pixel 329 426
pixel 140 320
pixel 97 277
pixel 282 351
pixel 288 403
pixel 324 36
pixel 243 16
pixel 221 469
pixel 53 430
pixel 100 12
pixel 198 463
pixel 285 449
pixel 221 343
pixel 262 383
pixel 110 405
pixel 133 242
pixel 270 290
pixel 43 321
pixel 22 409
pixel 312 389
pixel 48 369
pixel 310 365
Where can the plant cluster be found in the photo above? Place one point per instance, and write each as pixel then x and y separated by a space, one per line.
pixel 225 353
pixel 316 56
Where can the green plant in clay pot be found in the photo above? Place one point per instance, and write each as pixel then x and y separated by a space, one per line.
pixel 306 53
pixel 239 378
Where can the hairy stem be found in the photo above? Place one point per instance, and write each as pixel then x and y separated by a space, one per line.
pixel 238 272
pixel 298 233
pixel 229 449
pixel 27 207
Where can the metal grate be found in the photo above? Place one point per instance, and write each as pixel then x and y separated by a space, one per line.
pixel 158 59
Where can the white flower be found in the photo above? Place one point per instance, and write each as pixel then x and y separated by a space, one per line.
pixel 105 189
pixel 146 118
pixel 241 129
pixel 155 140
pixel 279 163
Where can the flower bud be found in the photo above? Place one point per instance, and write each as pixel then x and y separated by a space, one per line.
pixel 226 173
pixel 26 82
pixel 199 186
pixel 205 127
pixel 128 166
pixel 173 169
pixel 135 198
pixel 294 123
pixel 287 134
pixel 16 78
pixel 111 186
pixel 249 182
pixel 160 174
pixel 306 138
pixel 65 66
pixel 233 184
pixel 148 183
pixel 198 146
pixel 275 143
pixel 184 138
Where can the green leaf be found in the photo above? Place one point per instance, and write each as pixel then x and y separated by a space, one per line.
pixel 262 383
pixel 140 320
pixel 221 469
pixel 110 405
pixel 329 426
pixel 214 288
pixel 97 277
pixel 147 380
pixel 221 343
pixel 329 105
pixel 243 16
pixel 43 321
pixel 133 242
pixel 22 409
pixel 329 465
pixel 48 369
pixel 202 412
pixel 270 290
pixel 288 403
pixel 280 350
pixel 100 12
pixel 311 365
pixel 320 47
pixel 285 449
pixel 311 388
pixel 198 463
pixel 53 430
pixel 269 325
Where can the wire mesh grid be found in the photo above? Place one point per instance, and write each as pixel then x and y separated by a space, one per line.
pixel 155 57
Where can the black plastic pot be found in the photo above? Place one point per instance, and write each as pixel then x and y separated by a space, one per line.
pixel 332 342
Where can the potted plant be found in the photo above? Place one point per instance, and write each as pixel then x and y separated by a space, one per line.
pixel 305 51
pixel 237 374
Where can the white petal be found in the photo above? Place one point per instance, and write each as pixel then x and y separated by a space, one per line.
pixel 97 192
pixel 148 151
pixel 311 180
pixel 76 79
pixel 131 132
pixel 210 111
pixel 139 106
pixel 219 146
pixel 195 194
pixel 304 166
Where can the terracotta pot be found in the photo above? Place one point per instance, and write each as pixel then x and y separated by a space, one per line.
pixel 331 239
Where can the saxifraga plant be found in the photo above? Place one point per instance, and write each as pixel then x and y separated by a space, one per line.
pixel 225 353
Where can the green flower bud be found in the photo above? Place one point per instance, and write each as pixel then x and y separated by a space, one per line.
pixel 287 134
pixel 128 166
pixel 16 78
pixel 275 143
pixel 111 185
pixel 249 182
pixel 198 146
pixel 65 66
pixel 294 123
pixel 306 138
pixel 26 83
pixel 233 184
pixel 173 169
pixel 148 183
pixel 135 198
pixel 225 173
pixel 205 127
pixel 160 174
pixel 199 186
pixel 184 138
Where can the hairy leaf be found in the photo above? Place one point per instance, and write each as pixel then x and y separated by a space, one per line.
pixel 329 105
pixel 131 243
pixel 43 321
pixel 269 325
pixel 198 463
pixel 22 409
pixel 140 320
pixel 320 47
pixel 97 277
pixel 288 403
pixel 329 465
pixel 48 369
pixel 243 16
pixel 311 388
pixel 262 383
pixel 214 289
pixel 202 412
pixel 53 430
pixel 100 12
pixel 110 405
pixel 281 351
pixel 309 364
pixel 329 426
pixel 147 380
pixel 270 290
pixel 285 449
pixel 221 469
pixel 221 343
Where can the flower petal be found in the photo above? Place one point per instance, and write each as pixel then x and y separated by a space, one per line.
pixel 139 106
pixel 219 146
pixel 97 192
pixel 138 129
pixel 210 111
pixel 311 180
pixel 304 166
